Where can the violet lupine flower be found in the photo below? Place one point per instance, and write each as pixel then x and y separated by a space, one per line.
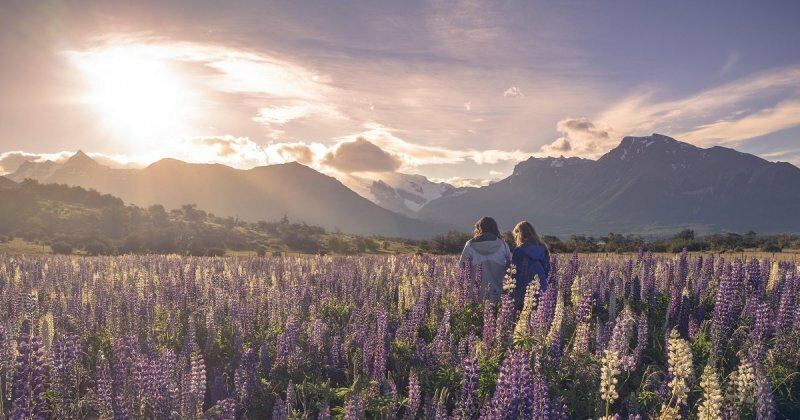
pixel 103 389
pixel 226 409
pixel 765 402
pixel 683 314
pixel 541 399
pixel 354 408
pixel 514 395
pixel 379 362
pixel 279 410
pixel 760 330
pixel 505 321
pixel 722 324
pixel 641 341
pixel 488 326
pixel 468 402
pixel 560 410
pixel 442 339
pixel 784 315
pixel 414 396
pixel 28 388
pixel 197 369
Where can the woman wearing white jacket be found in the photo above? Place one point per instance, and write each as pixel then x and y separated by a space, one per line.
pixel 489 251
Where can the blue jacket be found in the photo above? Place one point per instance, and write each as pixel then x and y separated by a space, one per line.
pixel 530 260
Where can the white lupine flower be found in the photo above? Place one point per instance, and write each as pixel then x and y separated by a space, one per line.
pixel 679 356
pixel 745 383
pixel 608 372
pixel 680 366
pixel 710 407
pixel 531 301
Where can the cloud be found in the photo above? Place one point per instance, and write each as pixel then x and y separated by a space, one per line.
pixel 513 92
pixel 307 154
pixel 361 156
pixel 415 155
pixel 578 136
pixel 783 115
pixel 237 152
pixel 719 115
pixel 468 106
pixel 281 115
pixel 731 61
pixel 11 161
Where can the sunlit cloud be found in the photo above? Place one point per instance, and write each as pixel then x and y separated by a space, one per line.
pixel 513 92
pixel 720 115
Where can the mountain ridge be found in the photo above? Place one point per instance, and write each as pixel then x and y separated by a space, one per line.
pixel 260 193
pixel 645 184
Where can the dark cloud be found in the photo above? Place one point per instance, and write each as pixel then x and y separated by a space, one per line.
pixel 361 156
pixel 581 125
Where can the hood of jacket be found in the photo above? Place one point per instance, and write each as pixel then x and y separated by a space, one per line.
pixel 487 247
pixel 534 252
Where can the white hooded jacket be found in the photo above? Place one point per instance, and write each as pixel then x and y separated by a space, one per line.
pixel 493 255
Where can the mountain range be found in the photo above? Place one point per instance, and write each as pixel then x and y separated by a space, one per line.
pixel 262 193
pixel 647 185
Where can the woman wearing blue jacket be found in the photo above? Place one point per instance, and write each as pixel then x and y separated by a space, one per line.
pixel 531 258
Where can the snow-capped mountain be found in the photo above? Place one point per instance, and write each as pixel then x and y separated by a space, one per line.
pixel 398 192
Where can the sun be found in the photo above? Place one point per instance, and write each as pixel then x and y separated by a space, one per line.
pixel 140 97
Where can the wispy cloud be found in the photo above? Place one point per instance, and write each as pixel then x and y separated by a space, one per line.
pixel 725 114
pixel 730 62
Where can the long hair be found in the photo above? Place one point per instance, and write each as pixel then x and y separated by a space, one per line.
pixel 485 225
pixel 525 233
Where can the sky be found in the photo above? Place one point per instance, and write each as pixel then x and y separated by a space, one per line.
pixel 459 90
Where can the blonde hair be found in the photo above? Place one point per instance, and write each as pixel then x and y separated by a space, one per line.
pixel 525 233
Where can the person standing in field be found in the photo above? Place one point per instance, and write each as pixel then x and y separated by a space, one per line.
pixel 489 251
pixel 531 259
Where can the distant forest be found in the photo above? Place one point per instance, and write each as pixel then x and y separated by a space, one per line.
pixel 77 220
pixel 453 242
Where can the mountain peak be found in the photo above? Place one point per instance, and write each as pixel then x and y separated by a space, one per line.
pixel 80 158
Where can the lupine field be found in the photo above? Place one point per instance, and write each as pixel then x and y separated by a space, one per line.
pixel 396 337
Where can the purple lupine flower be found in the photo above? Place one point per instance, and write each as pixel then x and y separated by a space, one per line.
pixel 683 314
pixel 560 410
pixel 760 330
pixel 27 392
pixel 226 409
pixel 488 326
pixel 722 324
pixel 541 399
pixel 354 408
pixel 785 313
pixel 379 360
pixel 414 396
pixel 765 402
pixel 468 401
pixel 641 341
pixel 514 394
pixel 442 339
pixel 279 410
pixel 505 321
pixel 584 311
